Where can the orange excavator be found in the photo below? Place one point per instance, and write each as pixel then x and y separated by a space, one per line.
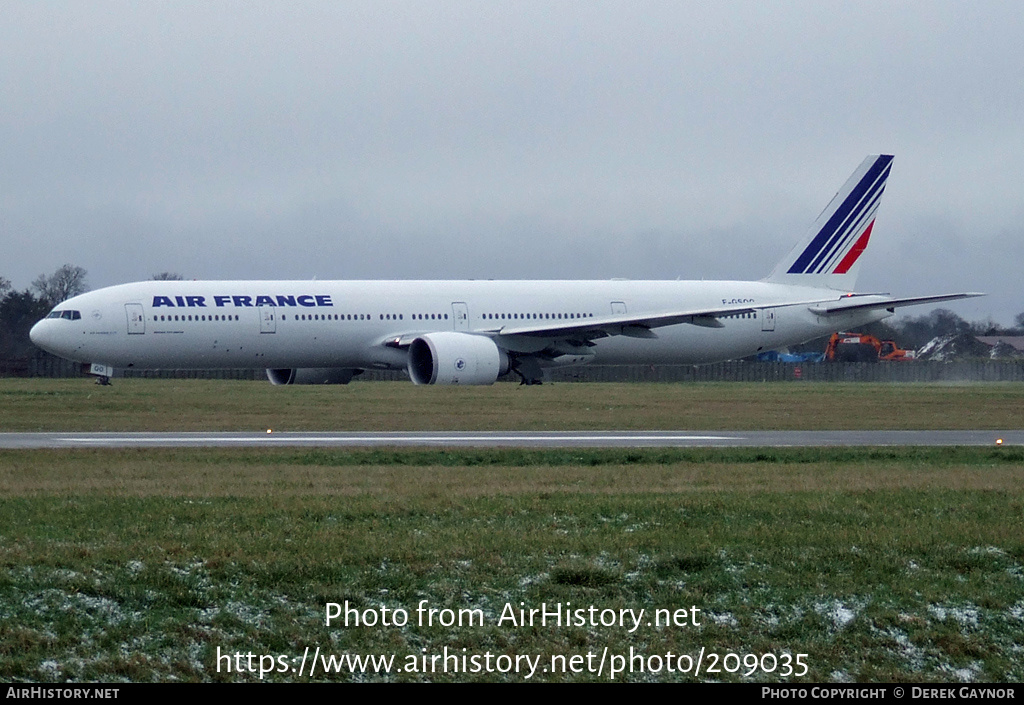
pixel 861 347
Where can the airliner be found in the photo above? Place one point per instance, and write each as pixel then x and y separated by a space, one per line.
pixel 473 332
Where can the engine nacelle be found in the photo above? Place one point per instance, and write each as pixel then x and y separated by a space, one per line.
pixel 312 375
pixel 456 358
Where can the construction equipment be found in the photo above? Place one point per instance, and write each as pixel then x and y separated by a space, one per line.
pixel 862 347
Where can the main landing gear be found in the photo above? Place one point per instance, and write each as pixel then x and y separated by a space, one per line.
pixel 528 370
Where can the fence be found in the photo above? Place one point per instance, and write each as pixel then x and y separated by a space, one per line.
pixel 739 371
pixel 45 365
pixel 40 365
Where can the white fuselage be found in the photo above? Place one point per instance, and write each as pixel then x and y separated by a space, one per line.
pixel 346 324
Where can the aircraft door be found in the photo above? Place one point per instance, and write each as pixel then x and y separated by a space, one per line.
pixel 767 320
pixel 460 312
pixel 618 307
pixel 268 319
pixel 136 319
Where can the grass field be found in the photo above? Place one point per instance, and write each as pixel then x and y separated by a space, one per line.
pixel 878 564
pixel 207 405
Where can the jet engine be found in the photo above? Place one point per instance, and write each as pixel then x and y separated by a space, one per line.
pixel 455 358
pixel 312 375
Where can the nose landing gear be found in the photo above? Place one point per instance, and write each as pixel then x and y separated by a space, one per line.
pixel 103 373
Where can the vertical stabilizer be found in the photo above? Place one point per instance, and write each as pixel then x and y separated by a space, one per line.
pixel 829 254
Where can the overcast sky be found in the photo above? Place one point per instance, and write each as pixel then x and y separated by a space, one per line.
pixel 352 140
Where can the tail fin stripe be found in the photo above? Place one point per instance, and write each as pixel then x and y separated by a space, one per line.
pixel 858 202
pixel 854 236
pixel 855 251
pixel 833 230
pixel 867 195
pixel 847 233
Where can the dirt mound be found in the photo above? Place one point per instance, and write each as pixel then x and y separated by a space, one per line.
pixel 952 347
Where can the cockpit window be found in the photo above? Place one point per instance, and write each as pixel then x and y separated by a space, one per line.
pixel 67 315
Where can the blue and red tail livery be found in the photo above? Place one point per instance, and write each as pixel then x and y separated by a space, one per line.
pixel 829 253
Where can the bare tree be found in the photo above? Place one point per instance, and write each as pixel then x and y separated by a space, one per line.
pixel 5 286
pixel 168 277
pixel 66 282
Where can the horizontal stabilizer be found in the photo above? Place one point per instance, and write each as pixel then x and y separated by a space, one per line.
pixel 876 301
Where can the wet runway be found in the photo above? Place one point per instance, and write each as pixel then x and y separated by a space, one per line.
pixel 519 439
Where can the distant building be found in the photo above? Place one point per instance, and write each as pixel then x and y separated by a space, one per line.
pixel 1003 346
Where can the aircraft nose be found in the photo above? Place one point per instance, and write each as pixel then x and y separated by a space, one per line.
pixel 42 336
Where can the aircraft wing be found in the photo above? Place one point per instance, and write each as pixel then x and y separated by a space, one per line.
pixel 869 301
pixel 642 326
pixel 634 326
